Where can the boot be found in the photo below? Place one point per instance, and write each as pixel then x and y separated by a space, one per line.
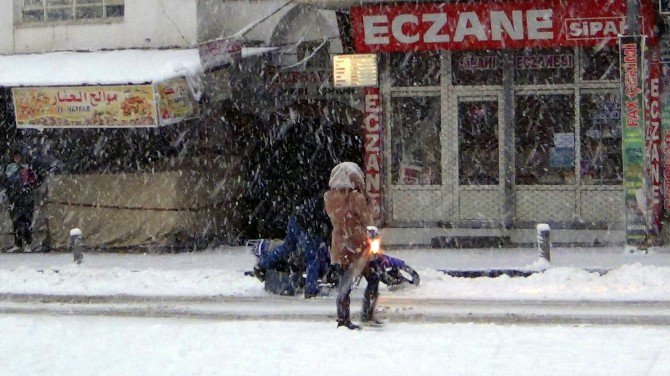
pixel 343 310
pixel 370 301
pixel 350 325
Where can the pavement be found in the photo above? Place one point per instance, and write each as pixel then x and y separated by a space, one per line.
pixel 391 308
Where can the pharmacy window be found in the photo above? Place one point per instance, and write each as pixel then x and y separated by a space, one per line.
pixel 415 141
pixel 411 69
pixel 601 161
pixel 42 11
pixel 600 63
pixel 545 139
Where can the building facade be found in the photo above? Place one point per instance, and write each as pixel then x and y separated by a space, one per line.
pixel 488 115
pixel 100 87
pixel 36 26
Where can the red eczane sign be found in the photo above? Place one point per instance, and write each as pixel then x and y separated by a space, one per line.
pixel 373 150
pixel 492 25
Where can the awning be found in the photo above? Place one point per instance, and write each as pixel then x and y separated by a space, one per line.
pixel 278 23
pixel 118 67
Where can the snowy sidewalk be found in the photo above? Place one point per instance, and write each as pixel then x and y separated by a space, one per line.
pixel 220 272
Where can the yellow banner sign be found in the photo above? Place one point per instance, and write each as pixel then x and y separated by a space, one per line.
pixel 175 102
pixel 85 106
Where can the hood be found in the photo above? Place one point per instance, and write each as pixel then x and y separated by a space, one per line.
pixel 347 175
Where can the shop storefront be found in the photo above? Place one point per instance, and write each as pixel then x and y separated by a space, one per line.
pixel 124 148
pixel 498 112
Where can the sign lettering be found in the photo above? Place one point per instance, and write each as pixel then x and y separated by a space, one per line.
pixel 491 25
pixel 373 150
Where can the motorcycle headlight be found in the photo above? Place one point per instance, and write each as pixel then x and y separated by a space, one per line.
pixel 375 246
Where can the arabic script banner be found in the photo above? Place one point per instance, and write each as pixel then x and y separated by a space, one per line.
pixel 85 106
pixel 175 102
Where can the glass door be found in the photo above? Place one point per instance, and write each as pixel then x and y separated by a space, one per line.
pixel 416 157
pixel 479 159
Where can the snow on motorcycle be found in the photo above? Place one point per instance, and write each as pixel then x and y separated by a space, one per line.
pixel 289 275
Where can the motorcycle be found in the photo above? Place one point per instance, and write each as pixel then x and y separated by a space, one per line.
pixel 394 272
pixel 289 275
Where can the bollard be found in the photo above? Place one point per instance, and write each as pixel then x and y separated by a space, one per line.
pixel 75 245
pixel 544 241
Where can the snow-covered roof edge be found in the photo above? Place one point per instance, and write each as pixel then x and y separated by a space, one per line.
pixel 98 67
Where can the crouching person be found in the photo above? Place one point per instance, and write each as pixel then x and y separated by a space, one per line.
pixel 301 246
pixel 348 208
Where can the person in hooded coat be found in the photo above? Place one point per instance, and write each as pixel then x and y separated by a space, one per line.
pixel 20 182
pixel 349 210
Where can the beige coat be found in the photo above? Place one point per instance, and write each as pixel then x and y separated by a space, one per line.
pixel 349 211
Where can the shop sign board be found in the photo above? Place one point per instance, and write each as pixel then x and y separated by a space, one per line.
pixel 492 25
pixel 665 137
pixel 532 61
pixel 479 63
pixel 373 150
pixel 355 70
pixel 219 52
pixel 85 106
pixel 633 139
pixel 175 102
pixel 653 142
pixel 544 61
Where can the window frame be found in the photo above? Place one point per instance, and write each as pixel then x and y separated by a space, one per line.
pixel 74 6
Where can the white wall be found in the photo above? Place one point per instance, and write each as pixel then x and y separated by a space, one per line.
pixel 225 18
pixel 6 27
pixel 146 24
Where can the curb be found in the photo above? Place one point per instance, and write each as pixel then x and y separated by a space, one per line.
pixel 493 273
pixel 394 310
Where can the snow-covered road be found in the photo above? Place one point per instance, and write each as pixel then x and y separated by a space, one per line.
pixel 84 319
pixel 45 345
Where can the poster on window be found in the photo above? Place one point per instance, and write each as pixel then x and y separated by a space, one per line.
pixel 633 126
pixel 85 106
pixel 175 102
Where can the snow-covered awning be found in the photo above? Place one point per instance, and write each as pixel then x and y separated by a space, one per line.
pixel 116 67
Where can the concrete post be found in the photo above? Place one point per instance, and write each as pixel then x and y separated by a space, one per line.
pixel 633 17
pixel 544 241
pixel 75 245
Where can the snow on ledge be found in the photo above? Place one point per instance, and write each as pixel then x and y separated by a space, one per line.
pixel 98 67
pixel 116 67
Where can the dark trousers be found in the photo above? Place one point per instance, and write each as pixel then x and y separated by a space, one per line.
pixel 22 222
pixel 313 248
pixel 369 297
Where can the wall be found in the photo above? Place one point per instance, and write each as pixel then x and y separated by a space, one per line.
pixel 6 27
pixel 146 24
pixel 225 18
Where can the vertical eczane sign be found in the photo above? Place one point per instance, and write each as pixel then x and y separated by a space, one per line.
pixel 373 150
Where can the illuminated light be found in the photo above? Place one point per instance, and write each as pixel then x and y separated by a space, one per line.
pixel 375 246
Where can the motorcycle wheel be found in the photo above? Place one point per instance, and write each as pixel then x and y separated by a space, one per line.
pixel 398 277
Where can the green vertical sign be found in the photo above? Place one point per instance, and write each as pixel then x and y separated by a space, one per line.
pixel 633 131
